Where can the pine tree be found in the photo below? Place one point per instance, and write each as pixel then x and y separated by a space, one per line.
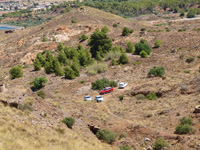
pixel 123 59
pixel 41 58
pixel 98 57
pixel 48 67
pixel 75 68
pixel 69 73
pixel 37 65
pixel 60 47
pixel 62 58
pixel 57 68
pixel 130 47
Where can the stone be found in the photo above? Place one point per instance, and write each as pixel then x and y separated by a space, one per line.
pixel 197 109
pixel 147 139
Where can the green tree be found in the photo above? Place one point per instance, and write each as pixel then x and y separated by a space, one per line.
pixel 182 14
pixel 140 47
pixel 57 68
pixel 38 82
pixel 69 73
pixel 62 58
pixel 190 14
pixel 49 57
pixel 44 39
pixel 69 121
pixel 143 41
pixel 37 65
pixel 16 72
pixel 60 47
pixel 123 59
pixel 99 42
pixel 143 54
pixel 98 57
pixel 113 62
pixel 41 59
pixel 130 47
pixel 105 29
pixel 48 67
pixel 73 21
pixel 83 37
pixel 114 25
pixel 157 43
pixel 75 68
pixel 126 31
pixel 106 135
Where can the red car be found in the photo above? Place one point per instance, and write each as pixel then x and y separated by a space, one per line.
pixel 106 90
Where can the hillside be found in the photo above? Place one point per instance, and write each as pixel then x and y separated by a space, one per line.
pixel 134 118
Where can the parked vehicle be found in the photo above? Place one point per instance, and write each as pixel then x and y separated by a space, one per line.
pixel 106 90
pixel 122 85
pixel 87 98
pixel 99 98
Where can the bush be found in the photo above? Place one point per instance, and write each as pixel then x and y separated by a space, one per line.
pixel 142 29
pixel 83 37
pixel 69 73
pixel 130 47
pixel 102 83
pixel 41 94
pixel 105 29
pixel 73 21
pixel 44 39
pixel 157 43
pixel 126 31
pixel 69 121
pixel 152 96
pixel 16 72
pixel 106 135
pixel 121 97
pixel 182 14
pixel 157 71
pixel 160 144
pixel 112 54
pixel 38 82
pixel 123 59
pixel 98 57
pixel 143 54
pixel 113 62
pixel 140 97
pixel 185 120
pixel 97 68
pixel 140 47
pixel 124 147
pixel 115 25
pixel 190 14
pixel 37 65
pixel 143 41
pixel 184 129
pixel 57 68
pixel 75 68
pixel 189 60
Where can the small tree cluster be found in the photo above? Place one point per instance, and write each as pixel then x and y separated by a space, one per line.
pixel 142 46
pixel 38 82
pixel 106 135
pixel 126 31
pixel 69 121
pixel 102 83
pixel 156 71
pixel 185 126
pixel 16 72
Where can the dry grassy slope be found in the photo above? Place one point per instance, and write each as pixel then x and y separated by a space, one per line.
pixel 17 131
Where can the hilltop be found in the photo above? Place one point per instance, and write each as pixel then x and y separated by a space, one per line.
pixel 135 118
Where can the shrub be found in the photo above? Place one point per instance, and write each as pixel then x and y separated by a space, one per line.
pixel 143 54
pixel 101 83
pixel 69 121
pixel 186 71
pixel 185 120
pixel 112 54
pixel 142 29
pixel 121 97
pixel 106 135
pixel 124 147
pixel 113 62
pixel 190 14
pixel 126 31
pixel 37 65
pixel 184 129
pixel 182 14
pixel 143 41
pixel 157 43
pixel 97 68
pixel 41 59
pixel 44 39
pixel 105 29
pixel 152 96
pixel 115 25
pixel 69 73
pixel 140 47
pixel 181 56
pixel 16 72
pixel 73 21
pixel 83 37
pixel 41 94
pixel 157 71
pixel 189 60
pixel 38 82
pixel 140 97
pixel 75 68
pixel 98 57
pixel 123 59
pixel 130 47
pixel 160 144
